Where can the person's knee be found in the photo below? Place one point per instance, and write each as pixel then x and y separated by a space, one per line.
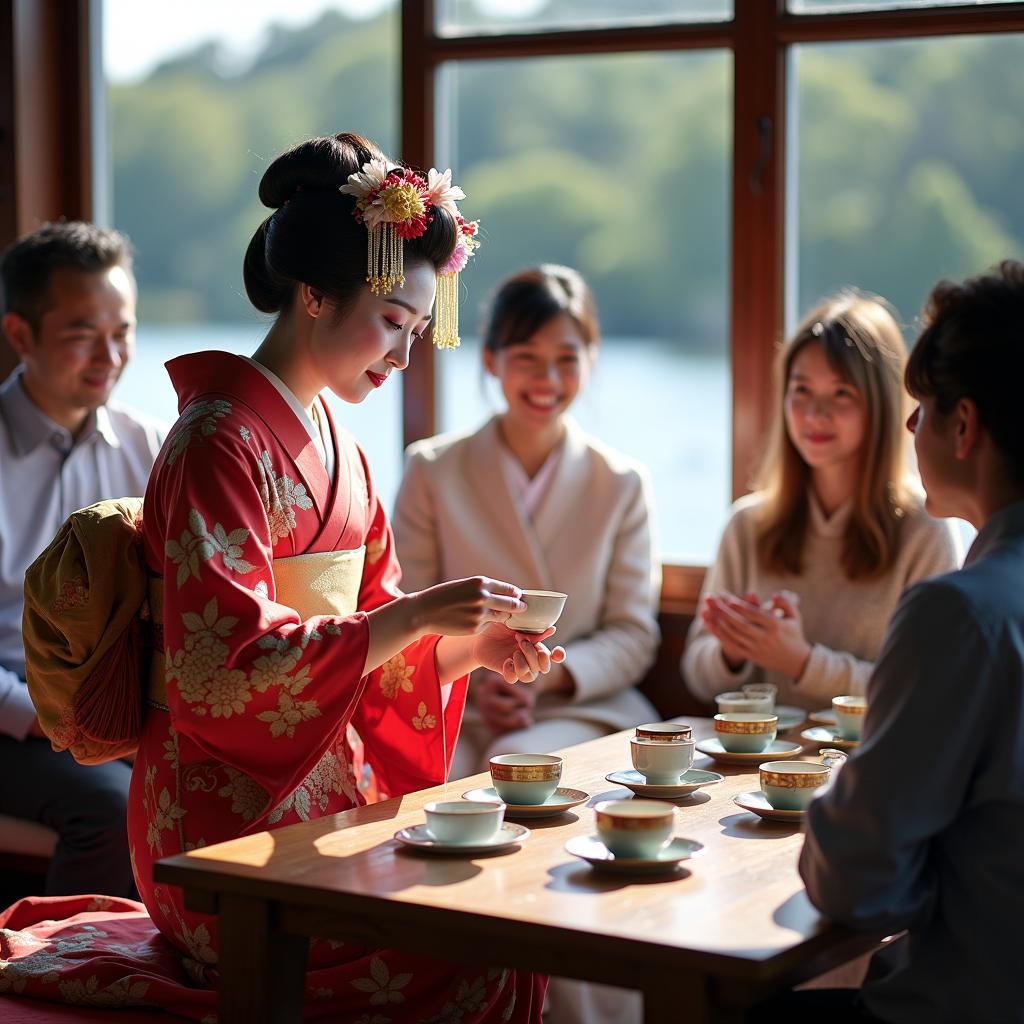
pixel 97 804
pixel 109 805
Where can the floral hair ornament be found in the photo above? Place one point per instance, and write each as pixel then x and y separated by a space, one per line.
pixel 394 204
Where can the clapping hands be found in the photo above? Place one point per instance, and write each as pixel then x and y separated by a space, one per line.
pixel 769 634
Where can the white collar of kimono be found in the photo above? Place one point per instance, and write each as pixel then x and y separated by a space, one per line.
pixel 325 451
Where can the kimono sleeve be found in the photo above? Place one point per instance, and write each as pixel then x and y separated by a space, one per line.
pixel 248 683
pixel 408 722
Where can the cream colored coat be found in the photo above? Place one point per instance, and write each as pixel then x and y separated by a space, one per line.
pixel 590 538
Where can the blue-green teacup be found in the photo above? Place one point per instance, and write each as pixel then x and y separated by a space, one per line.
pixel 791 785
pixel 743 732
pixel 525 778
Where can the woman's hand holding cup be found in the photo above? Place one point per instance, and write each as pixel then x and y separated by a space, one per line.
pixel 516 657
pixel 464 607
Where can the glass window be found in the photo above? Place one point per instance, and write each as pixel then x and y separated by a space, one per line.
pixel 907 166
pixel 848 6
pixel 197 105
pixel 620 167
pixel 466 17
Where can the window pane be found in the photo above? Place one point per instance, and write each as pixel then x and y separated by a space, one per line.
pixel 846 6
pixel 466 17
pixel 198 104
pixel 618 166
pixel 909 159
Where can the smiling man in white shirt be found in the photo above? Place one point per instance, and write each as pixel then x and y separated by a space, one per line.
pixel 69 314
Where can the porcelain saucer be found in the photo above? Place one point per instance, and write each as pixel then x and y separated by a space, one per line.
pixel 826 716
pixel 690 781
pixel 829 736
pixel 668 858
pixel 756 803
pixel 777 750
pixel 418 838
pixel 560 801
pixel 789 716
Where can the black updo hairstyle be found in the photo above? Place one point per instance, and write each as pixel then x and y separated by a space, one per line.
pixel 312 236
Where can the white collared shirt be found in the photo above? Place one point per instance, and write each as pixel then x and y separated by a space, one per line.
pixel 45 475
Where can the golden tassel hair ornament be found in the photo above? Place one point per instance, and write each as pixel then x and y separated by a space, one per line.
pixel 385 267
pixel 393 204
pixel 445 331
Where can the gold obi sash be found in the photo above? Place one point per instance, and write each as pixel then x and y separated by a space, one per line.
pixel 323 583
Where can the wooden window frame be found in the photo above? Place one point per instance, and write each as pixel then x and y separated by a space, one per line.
pixel 46 157
pixel 759 36
pixel 45 119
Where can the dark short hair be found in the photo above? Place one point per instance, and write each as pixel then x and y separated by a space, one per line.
pixel 972 346
pixel 526 301
pixel 312 237
pixel 28 264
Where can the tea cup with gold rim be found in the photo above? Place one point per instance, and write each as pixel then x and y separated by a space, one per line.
pixel 742 732
pixel 791 785
pixel 849 711
pixel 525 778
pixel 634 828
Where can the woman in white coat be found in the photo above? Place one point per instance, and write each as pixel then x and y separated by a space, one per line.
pixel 531 496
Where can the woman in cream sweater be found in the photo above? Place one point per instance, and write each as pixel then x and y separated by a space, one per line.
pixel 531 494
pixel 811 565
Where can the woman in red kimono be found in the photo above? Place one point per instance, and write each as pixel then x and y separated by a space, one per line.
pixel 252 702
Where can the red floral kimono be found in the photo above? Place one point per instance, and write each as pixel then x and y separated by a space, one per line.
pixel 258 704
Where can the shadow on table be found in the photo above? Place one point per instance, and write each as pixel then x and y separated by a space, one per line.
pixel 749 826
pixel 691 800
pixel 581 878
pixel 539 824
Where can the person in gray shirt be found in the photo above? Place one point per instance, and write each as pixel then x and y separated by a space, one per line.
pixel 923 829
pixel 69 315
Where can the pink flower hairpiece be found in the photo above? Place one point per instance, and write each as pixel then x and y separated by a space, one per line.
pixel 394 204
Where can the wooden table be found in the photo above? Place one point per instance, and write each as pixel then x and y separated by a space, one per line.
pixel 702 944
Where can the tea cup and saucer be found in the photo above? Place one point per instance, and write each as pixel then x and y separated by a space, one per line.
pixel 848 716
pixel 635 837
pixel 788 787
pixel 528 786
pixel 663 763
pixel 461 827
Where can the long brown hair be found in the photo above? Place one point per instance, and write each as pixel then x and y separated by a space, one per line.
pixel 863 345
